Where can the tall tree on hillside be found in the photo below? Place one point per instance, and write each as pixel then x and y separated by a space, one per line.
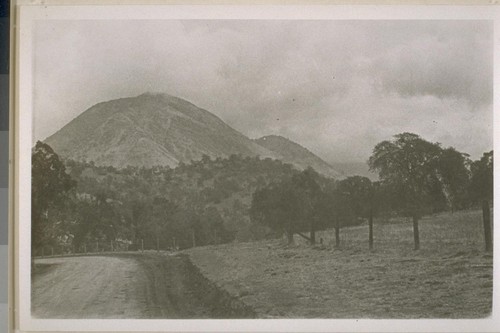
pixel 481 189
pixel 289 206
pixel 212 222
pixel 454 174
pixel 188 230
pixel 87 215
pixel 360 193
pixel 408 163
pixel 306 188
pixel 276 206
pixel 335 210
pixel 49 189
pixel 136 211
pixel 161 211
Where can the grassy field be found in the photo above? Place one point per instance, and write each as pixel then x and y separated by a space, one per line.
pixel 450 277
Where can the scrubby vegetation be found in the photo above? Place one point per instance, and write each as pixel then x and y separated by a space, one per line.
pixel 204 202
pixel 81 207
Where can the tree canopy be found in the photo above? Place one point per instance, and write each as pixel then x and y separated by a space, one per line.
pixel 50 183
pixel 481 190
pixel 422 175
pixel 215 200
pixel 481 184
pixel 408 164
pixel 290 206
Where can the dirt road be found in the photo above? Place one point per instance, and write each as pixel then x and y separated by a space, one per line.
pixel 123 286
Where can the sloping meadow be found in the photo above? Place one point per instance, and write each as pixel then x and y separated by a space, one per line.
pixel 450 277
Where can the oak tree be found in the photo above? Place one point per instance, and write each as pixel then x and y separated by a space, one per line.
pixel 408 164
pixel 49 187
pixel 481 189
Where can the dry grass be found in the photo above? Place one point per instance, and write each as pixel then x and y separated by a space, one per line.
pixel 450 277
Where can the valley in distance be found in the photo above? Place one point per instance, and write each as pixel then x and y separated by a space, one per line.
pixel 150 207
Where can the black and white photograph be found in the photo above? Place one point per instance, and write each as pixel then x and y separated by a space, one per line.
pixel 287 167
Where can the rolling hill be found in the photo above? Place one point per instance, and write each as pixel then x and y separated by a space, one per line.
pixel 160 129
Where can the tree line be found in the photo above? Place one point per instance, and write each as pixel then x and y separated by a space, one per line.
pixel 416 177
pixel 78 206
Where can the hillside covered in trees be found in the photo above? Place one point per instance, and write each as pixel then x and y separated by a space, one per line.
pixel 205 202
pixel 80 207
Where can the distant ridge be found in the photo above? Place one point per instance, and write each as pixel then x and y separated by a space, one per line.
pixel 291 152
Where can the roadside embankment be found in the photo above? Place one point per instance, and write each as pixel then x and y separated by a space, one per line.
pixel 128 285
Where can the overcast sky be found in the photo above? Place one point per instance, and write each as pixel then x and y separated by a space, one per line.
pixel 336 87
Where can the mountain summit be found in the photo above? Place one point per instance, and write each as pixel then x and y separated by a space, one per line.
pixel 158 129
pixel 147 130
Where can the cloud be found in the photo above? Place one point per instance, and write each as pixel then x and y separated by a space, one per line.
pixel 455 62
pixel 337 87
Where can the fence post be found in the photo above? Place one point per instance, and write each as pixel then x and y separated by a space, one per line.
pixel 487 226
pixel 142 245
pixel 370 230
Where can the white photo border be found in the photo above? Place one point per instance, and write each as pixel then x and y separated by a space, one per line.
pixel 29 14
